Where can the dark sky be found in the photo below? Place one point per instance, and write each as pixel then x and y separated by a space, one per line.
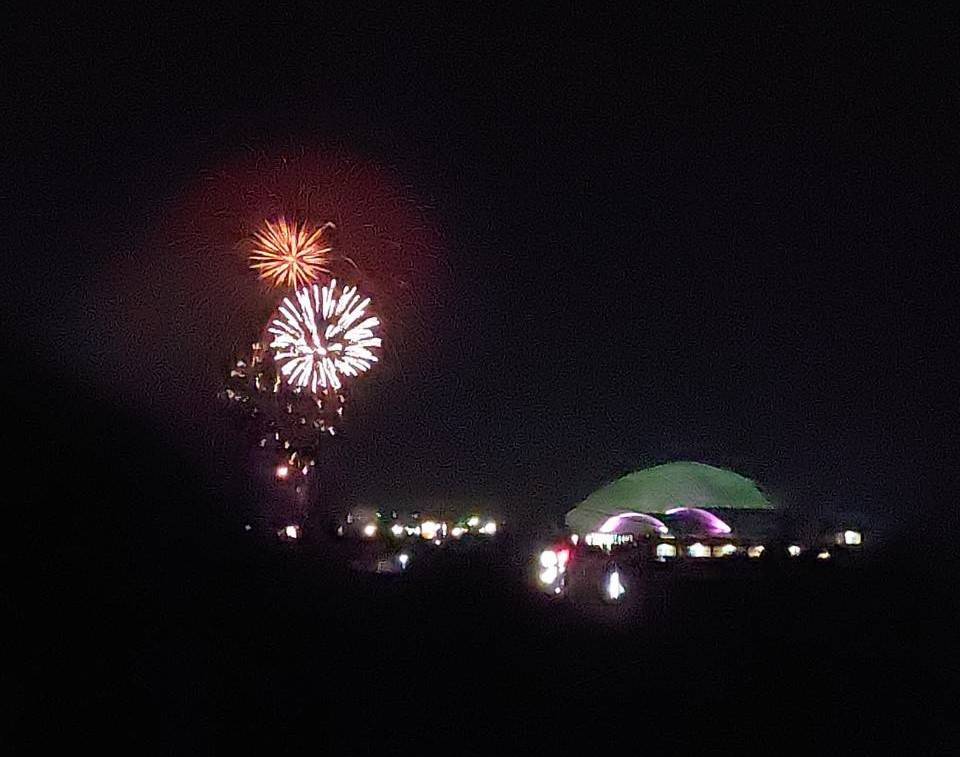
pixel 700 235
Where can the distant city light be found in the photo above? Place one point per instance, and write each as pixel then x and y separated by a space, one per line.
pixel 666 550
pixel 852 538
pixel 698 550
pixel 403 559
pixel 548 575
pixel 370 530
pixel 292 532
pixel 548 558
pixel 724 550
pixel 563 556
pixel 397 530
pixel 823 555
pixel 247 527
pixel 456 532
pixel 794 550
pixel 429 529
pixel 615 589
pixel 283 471
pixel 755 551
pixel 574 538
pixel 490 528
pixel 607 540
pixel 474 521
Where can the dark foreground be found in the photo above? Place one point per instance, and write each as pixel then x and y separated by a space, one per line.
pixel 135 633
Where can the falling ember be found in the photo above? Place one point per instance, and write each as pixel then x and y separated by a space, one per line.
pixel 323 337
pixel 286 254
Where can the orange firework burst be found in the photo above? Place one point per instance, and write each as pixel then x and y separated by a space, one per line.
pixel 286 254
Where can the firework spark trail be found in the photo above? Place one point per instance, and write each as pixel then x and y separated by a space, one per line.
pixel 318 342
pixel 287 255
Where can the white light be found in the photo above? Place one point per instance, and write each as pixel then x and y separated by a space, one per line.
pixel 852 538
pixel 474 521
pixel 615 589
pixel 698 550
pixel 562 557
pixel 291 532
pixel 437 542
pixel 457 532
pixel 428 529
pixel 320 342
pixel 794 550
pixel 247 527
pixel 490 528
pixel 370 530
pixel 404 558
pixel 556 590
pixel 574 538
pixel 282 471
pixel 666 550
pixel 724 550
pixel 548 558
pixel 823 555
pixel 755 551
pixel 397 530
pixel 548 575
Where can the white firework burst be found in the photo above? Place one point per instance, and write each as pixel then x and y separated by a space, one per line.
pixel 324 337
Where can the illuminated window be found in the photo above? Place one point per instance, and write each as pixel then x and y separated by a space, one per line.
pixel 755 551
pixel 794 550
pixel 698 550
pixel 724 550
pixel 666 550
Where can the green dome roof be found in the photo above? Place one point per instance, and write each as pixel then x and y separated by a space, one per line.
pixel 664 487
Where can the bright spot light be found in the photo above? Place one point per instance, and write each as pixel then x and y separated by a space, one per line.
pixel 548 575
pixel 247 527
pixel 282 471
pixel 474 521
pixel 755 551
pixel 457 532
pixel 548 558
pixel 794 550
pixel 574 538
pixel 291 532
pixel 852 538
pixel 666 550
pixel 698 550
pixel 397 530
pixel 403 558
pixel 556 590
pixel 437 542
pixel 562 557
pixel 490 528
pixel 615 589
pixel 370 530
pixel 823 555
pixel 428 529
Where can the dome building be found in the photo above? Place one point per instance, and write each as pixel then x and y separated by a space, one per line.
pixel 690 508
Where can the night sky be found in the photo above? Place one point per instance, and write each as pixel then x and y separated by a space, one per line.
pixel 702 235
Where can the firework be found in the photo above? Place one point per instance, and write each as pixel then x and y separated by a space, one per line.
pixel 324 337
pixel 287 254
